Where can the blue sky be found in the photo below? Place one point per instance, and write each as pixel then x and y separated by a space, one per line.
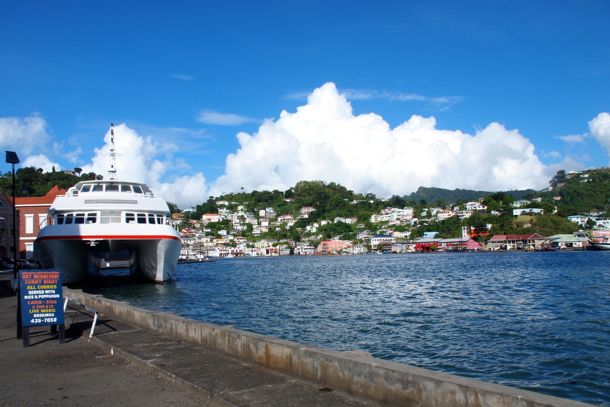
pixel 198 73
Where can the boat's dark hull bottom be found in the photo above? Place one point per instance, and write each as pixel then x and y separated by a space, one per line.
pixel 152 259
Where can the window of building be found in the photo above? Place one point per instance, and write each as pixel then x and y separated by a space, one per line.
pixel 42 220
pixel 29 223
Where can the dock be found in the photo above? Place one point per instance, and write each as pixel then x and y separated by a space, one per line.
pixel 139 357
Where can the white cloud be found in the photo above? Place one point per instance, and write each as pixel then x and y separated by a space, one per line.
pixel 443 102
pixel 573 138
pixel 141 159
pixel 324 140
pixel 223 119
pixel 41 161
pixel 23 135
pixel 182 77
pixel 600 128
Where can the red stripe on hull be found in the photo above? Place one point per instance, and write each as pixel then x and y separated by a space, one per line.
pixel 110 237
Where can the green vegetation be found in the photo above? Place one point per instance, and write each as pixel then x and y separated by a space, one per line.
pixel 569 194
pixel 30 181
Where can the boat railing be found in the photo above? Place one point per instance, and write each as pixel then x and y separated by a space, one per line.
pixel 93 218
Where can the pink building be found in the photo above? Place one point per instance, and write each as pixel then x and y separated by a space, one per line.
pixel 333 246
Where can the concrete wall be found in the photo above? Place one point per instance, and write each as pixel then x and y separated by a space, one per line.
pixel 354 372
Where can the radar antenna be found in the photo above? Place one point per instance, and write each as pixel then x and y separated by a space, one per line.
pixel 113 154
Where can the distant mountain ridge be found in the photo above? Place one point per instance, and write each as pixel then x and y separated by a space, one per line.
pixel 431 194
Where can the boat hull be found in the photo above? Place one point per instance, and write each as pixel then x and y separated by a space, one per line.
pixel 600 246
pixel 79 256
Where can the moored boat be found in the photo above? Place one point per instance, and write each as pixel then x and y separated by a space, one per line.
pixel 103 224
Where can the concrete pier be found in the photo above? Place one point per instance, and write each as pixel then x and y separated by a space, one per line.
pixel 354 378
pixel 140 357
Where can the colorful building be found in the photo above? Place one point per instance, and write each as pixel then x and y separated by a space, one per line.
pixel 33 216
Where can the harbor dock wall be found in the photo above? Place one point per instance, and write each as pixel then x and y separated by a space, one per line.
pixel 355 372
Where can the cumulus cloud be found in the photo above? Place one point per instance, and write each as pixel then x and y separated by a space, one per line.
pixel 600 128
pixel 24 135
pixel 324 140
pixel 41 161
pixel 223 119
pixel 141 159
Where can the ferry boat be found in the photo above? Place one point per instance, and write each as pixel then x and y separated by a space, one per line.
pixel 103 224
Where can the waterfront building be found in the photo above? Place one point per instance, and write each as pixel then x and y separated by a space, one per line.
pixel 575 241
pixel 516 242
pixel 381 239
pixel 333 246
pixel 460 244
pixel 33 216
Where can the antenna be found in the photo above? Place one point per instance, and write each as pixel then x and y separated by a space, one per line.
pixel 112 170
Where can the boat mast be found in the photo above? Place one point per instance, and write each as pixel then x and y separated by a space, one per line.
pixel 112 170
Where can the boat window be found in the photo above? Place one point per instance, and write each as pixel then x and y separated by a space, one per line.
pixel 85 188
pixel 112 188
pixel 151 218
pixel 125 188
pixel 60 219
pixel 141 218
pixel 137 189
pixel 79 218
pixel 98 188
pixel 129 217
pixel 69 218
pixel 91 218
pixel 159 219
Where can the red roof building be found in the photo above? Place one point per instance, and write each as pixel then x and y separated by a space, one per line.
pixel 33 216
pixel 517 242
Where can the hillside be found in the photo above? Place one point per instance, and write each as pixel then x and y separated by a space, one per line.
pixel 432 195
pixel 582 192
pixel 572 193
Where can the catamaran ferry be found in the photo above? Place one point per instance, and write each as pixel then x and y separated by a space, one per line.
pixel 102 224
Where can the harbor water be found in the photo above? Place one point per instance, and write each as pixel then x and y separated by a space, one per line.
pixel 538 321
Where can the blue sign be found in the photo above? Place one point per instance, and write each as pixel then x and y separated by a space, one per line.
pixel 41 298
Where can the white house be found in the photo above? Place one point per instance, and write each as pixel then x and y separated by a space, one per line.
pixel 528 211
pixel 380 239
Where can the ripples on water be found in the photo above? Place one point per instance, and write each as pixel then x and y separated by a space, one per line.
pixel 539 321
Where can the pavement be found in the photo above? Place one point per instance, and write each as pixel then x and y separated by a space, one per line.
pixel 128 366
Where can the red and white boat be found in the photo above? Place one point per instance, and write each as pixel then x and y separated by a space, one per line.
pixel 109 223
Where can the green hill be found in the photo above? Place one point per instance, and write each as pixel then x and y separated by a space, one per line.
pixel 431 195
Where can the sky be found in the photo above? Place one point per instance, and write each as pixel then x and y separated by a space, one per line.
pixel 213 97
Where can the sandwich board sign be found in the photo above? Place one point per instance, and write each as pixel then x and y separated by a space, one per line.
pixel 41 301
